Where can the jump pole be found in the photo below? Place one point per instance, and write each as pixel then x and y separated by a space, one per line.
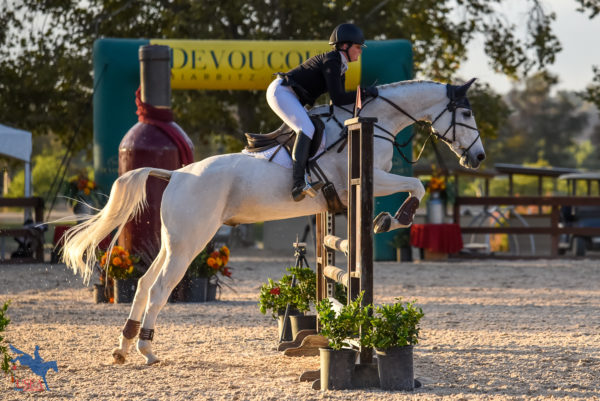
pixel 358 248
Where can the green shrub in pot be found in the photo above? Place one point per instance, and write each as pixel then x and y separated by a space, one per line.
pixel 340 326
pixel 394 325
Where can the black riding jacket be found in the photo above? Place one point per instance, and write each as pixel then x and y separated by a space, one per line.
pixel 318 75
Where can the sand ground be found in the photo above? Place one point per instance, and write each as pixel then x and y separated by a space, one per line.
pixel 498 330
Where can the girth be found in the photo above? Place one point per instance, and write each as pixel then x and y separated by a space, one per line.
pixel 284 137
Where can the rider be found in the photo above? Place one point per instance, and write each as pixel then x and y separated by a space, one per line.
pixel 290 92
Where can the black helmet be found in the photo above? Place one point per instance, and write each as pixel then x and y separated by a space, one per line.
pixel 347 33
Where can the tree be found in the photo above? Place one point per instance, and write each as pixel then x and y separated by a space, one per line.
pixel 592 92
pixel 541 127
pixel 45 49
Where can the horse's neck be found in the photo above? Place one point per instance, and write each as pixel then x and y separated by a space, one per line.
pixel 420 99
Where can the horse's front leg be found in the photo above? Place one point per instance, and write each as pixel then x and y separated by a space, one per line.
pixel 386 184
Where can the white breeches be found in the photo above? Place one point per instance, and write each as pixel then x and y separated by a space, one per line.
pixel 286 105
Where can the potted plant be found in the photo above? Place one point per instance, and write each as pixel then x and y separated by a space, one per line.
pixel 394 330
pixel 302 285
pixel 202 276
pixel 401 242
pixel 337 362
pixel 120 267
pixel 275 297
pixel 295 291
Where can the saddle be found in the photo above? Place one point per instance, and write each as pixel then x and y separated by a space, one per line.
pixel 284 137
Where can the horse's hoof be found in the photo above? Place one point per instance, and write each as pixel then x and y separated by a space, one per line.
pixel 118 357
pixel 406 212
pixel 151 360
pixel 382 223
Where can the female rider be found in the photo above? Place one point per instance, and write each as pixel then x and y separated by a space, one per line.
pixel 290 92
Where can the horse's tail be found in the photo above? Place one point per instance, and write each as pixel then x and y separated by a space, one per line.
pixel 127 199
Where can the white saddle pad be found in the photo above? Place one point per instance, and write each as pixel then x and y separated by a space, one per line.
pixel 282 158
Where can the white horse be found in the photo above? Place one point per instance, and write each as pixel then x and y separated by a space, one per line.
pixel 238 188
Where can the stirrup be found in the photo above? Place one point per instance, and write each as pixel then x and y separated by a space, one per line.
pixel 311 188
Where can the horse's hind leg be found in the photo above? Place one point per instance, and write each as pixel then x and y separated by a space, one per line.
pixel 176 263
pixel 132 326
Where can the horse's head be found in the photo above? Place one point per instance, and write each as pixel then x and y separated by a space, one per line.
pixel 456 126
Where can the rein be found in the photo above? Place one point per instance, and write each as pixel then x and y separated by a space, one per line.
pixel 452 106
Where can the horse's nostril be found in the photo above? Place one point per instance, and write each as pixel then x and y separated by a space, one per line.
pixel 481 157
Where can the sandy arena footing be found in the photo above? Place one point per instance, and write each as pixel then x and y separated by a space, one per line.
pixel 499 330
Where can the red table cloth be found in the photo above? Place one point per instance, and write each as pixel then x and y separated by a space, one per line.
pixel 442 238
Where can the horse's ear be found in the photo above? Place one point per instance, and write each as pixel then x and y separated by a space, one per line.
pixel 468 84
pixel 458 92
pixel 462 90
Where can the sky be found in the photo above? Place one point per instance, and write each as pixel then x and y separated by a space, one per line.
pixel 573 65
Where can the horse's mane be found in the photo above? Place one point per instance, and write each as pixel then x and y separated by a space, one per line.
pixel 409 82
pixel 323 108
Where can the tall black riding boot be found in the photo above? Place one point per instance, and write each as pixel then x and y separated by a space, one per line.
pixel 300 154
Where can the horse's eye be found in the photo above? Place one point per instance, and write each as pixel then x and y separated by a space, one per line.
pixel 467 113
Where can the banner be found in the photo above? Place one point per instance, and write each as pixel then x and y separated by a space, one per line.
pixel 241 65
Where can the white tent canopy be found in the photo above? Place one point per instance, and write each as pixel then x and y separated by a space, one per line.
pixel 16 143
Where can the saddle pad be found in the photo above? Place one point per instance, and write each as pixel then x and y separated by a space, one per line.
pixel 282 157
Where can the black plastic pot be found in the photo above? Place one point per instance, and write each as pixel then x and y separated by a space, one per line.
pixel 125 290
pixel 211 292
pixel 337 368
pixel 395 366
pixel 302 322
pixel 196 290
pixel 100 294
pixel 180 292
pixel 287 336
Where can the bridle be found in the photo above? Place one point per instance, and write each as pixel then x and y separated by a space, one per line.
pixel 453 105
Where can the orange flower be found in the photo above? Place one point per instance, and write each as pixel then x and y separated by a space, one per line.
pixel 224 250
pixel 117 261
pixel 103 260
pixel 212 263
